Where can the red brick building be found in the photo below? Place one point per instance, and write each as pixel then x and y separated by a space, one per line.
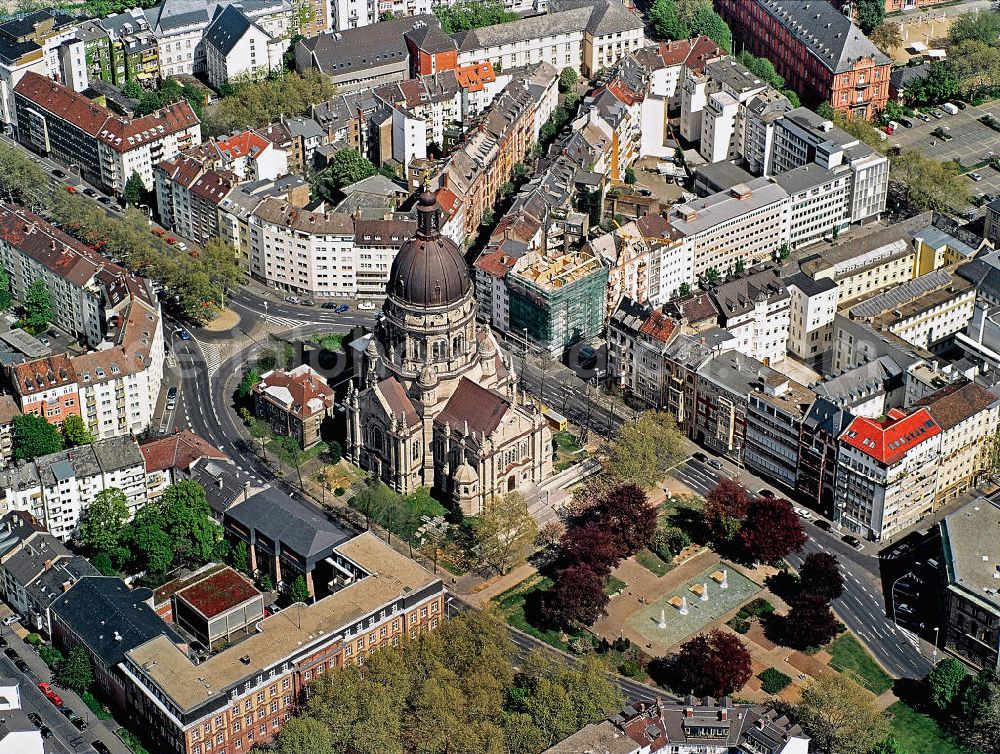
pixel 818 50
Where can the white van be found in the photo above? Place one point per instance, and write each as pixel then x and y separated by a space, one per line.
pixel 949 108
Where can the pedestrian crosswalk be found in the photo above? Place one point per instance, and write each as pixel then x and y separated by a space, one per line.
pixel 284 323
pixel 213 357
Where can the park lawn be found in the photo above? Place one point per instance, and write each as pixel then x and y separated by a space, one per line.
pixel 653 562
pixel 568 451
pixel 511 606
pixel 332 341
pixel 613 585
pixel 846 653
pixel 918 733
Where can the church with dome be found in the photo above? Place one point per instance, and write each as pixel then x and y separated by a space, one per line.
pixel 436 404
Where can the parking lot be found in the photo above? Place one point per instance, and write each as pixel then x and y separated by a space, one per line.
pixel 970 143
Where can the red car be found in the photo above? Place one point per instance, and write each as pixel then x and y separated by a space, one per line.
pixel 71 190
pixel 171 240
pixel 157 231
pixel 51 695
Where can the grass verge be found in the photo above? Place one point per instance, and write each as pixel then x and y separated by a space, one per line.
pixel 511 605
pixel 918 733
pixel 653 562
pixel 846 653
pixel 99 710
pixel 131 740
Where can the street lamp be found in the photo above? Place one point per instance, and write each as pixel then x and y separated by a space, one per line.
pixel 934 653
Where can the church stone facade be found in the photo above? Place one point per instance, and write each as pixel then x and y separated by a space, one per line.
pixel 437 404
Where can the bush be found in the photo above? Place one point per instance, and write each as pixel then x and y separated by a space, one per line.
pixel 738 624
pixel 631 669
pixel 33 639
pixel 339 491
pixel 51 657
pixel 772 680
pixel 759 607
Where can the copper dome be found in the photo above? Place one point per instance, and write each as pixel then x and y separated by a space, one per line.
pixel 429 269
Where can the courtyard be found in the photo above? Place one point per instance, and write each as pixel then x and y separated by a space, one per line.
pixel 688 609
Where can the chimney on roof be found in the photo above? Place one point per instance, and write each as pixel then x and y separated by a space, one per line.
pixel 48 565
pixel 724 714
pixel 689 712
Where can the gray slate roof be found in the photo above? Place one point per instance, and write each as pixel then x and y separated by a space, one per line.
pixel 109 618
pixel 228 28
pixel 827 33
pixel 295 525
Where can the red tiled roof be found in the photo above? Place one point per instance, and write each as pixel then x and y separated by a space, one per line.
pixel 659 326
pixel 303 386
pixel 214 186
pixel 952 405
pixel 246 144
pixel 483 409
pixel 219 592
pixel 476 76
pixel 887 441
pixel 624 93
pixel 182 169
pixel 123 135
pixel 43 374
pixel 178 451
pixel 495 263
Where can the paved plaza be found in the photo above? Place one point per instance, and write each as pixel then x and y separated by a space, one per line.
pixel 683 610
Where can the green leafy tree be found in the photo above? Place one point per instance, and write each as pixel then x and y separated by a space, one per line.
pixel 870 14
pixel 472 14
pixel 304 735
pixel 134 189
pixel 75 432
pixel 38 304
pixel 105 523
pixel 888 745
pixel 76 671
pixel 982 26
pixel 132 89
pixel 257 103
pixel 239 557
pixel 288 448
pixel 299 591
pixel 23 180
pixel 683 289
pixel 6 298
pixel 886 37
pixel 347 166
pixel 840 716
pixel 150 547
pixel 712 276
pixel 641 452
pixel 945 681
pixel 630 177
pixel 250 378
pixel 762 68
pixel 223 267
pixel 34 437
pixel 977 712
pixel 503 531
pixel 260 431
pixel 187 520
pixel 941 83
pixel 706 21
pixel 568 78
pixel 927 184
pixel 666 21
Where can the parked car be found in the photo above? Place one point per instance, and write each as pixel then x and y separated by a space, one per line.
pixel 46 731
pixel 906 123
pixel 58 174
pixel 976 177
pixel 715 464
pixel 291 299
pixel 949 108
pixel 3 642
pixel 699 456
pixel 342 308
pixel 71 189
pixel 21 665
pixel 366 305
pixel 824 525
pixel 171 240
pixel 9 651
pixel 183 334
pixel 937 114
pixel 924 117
pixel 307 302
pixel 765 493
pixel 960 105
pixel 89 192
pixel 104 199
pixel 802 512
pixel 182 246
pixel 328 305
pixel 100 747
pixel 171 393
pixel 11 619
pixel 851 540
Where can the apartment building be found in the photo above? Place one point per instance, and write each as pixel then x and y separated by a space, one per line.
pixel 188 196
pixel 241 696
pixel 749 222
pixel 776 409
pixel 758 123
pixel 816 48
pixel 886 473
pixel 57 122
pixel 968 416
pixel 812 308
pixel 87 290
pixel 9 410
pixel 754 307
pixel 59 488
pixel 816 472
pixel 712 105
pixel 968 538
pixel 238 48
pixel 802 137
pixel 121 48
pixel 991 230
pixel 585 37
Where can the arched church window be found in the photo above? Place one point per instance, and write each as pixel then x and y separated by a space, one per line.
pixel 416 451
pixel 377 439
pixel 458 345
pixel 440 350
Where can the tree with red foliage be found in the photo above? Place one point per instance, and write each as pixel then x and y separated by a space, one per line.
pixel 625 512
pixel 810 622
pixel 725 509
pixel 589 545
pixel 771 530
pixel 576 599
pixel 820 576
pixel 715 664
